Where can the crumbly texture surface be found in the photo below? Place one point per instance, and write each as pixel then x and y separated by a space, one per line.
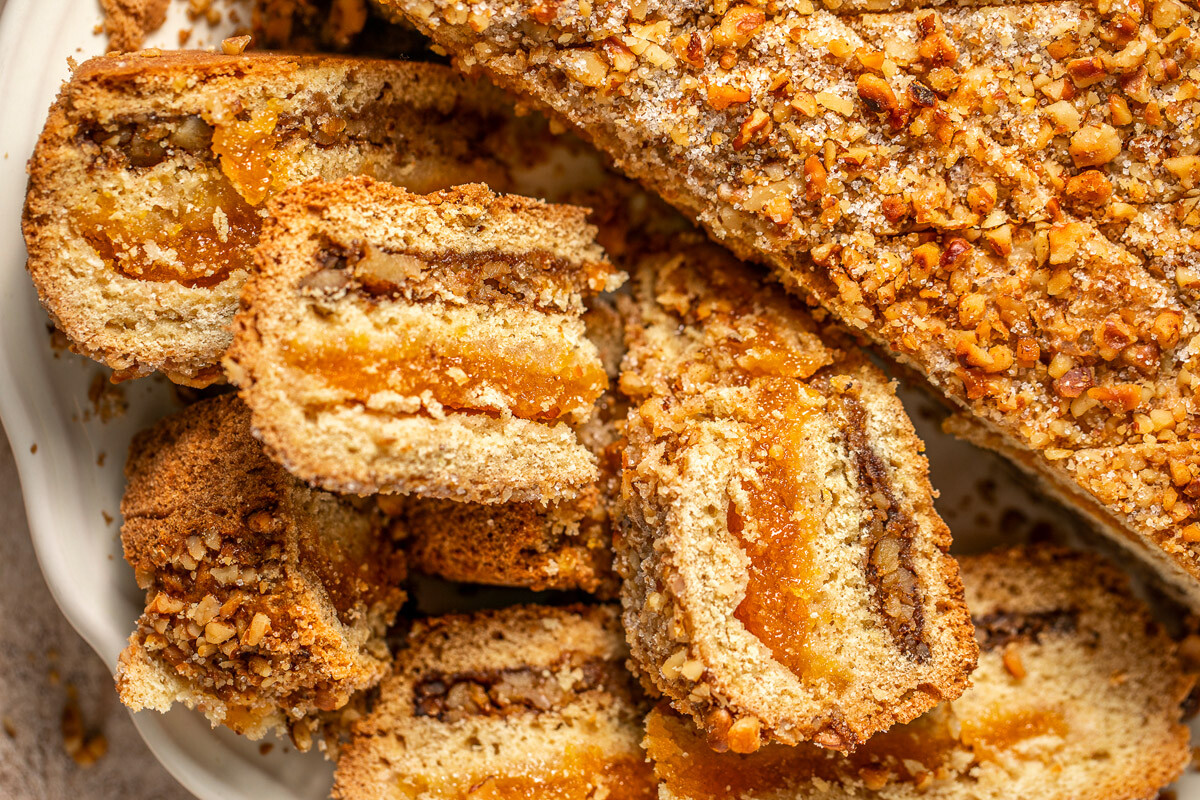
pixel 786 575
pixel 1001 196
pixel 566 545
pixel 266 600
pixel 1077 695
pixel 399 343
pixel 128 21
pixel 147 185
pixel 522 702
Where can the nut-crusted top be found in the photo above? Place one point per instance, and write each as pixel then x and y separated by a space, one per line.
pixel 1003 196
pixel 266 600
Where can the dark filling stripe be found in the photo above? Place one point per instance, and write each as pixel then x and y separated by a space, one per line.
pixel 888 534
pixel 482 276
pixel 516 690
pixel 1000 628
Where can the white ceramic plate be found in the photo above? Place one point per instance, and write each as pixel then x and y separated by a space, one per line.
pixel 71 461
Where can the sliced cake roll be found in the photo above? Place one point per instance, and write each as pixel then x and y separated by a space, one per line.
pixel 566 545
pixel 525 702
pixel 786 575
pixel 147 186
pixel 392 342
pixel 266 600
pixel 1002 197
pixel 1077 695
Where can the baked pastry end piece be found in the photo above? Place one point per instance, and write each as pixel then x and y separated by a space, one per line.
pixel 527 701
pixel 266 600
pixel 1077 695
pixel 392 342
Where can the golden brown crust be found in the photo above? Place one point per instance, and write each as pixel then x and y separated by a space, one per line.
pixel 786 575
pixel 1078 695
pixel 516 544
pixel 999 196
pixel 266 601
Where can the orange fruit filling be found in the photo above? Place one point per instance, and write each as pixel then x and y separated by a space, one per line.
pixel 199 245
pixel 543 381
pixel 573 778
pixel 688 767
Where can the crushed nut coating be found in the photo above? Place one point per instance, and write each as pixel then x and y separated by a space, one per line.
pixel 1005 197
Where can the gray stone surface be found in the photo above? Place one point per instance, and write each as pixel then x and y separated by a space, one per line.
pixel 41 658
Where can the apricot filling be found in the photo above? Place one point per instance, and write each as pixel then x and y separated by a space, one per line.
pixel 688 767
pixel 776 532
pixel 247 154
pixel 1001 730
pixel 199 244
pixel 542 380
pixel 572 778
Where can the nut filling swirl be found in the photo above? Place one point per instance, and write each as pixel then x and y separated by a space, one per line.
pixel 535 278
pixel 1000 628
pixel 888 533
pixel 451 697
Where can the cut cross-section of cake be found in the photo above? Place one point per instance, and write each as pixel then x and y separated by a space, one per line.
pixel 527 702
pixel 566 545
pixel 432 344
pixel 786 575
pixel 146 188
pixel 1002 196
pixel 266 600
pixel 1078 695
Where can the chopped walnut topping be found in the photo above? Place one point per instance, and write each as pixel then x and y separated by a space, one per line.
pixel 738 26
pixel 1002 195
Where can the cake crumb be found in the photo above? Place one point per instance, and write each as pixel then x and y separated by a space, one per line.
pixel 128 21
pixel 84 749
pixel 107 399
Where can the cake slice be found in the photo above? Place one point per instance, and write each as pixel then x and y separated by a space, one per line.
pixel 998 196
pixel 528 701
pixel 391 342
pixel 147 186
pixel 266 600
pixel 566 545
pixel 786 575
pixel 1077 695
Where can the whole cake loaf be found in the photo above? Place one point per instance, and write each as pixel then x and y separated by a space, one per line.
pixel 392 342
pixel 1078 694
pixel 1001 196
pixel 266 600
pixel 786 575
